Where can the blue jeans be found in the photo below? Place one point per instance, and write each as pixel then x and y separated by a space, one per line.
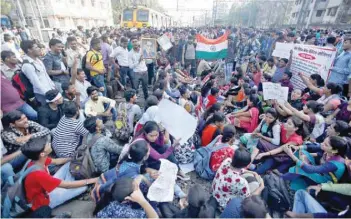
pixel 124 72
pixel 60 195
pixel 18 162
pixel 29 112
pixel 6 172
pixel 99 81
pixel 269 163
pixel 304 203
pixel 113 111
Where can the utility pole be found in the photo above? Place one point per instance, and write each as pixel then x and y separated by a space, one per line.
pixel 19 7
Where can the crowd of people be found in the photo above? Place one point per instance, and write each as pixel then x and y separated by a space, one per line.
pixel 58 97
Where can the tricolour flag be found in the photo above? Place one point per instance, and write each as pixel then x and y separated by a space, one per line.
pixel 211 48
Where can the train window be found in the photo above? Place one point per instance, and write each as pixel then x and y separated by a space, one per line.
pixel 127 15
pixel 143 15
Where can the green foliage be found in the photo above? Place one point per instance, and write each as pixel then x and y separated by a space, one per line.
pixel 6 7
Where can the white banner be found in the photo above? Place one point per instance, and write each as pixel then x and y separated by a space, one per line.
pixel 309 60
pixel 165 42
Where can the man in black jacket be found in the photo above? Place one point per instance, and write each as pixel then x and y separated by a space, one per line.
pixel 50 114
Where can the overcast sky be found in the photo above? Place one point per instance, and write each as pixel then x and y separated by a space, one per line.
pixel 186 16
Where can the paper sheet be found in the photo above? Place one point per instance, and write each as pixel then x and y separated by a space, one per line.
pixel 274 91
pixel 162 189
pixel 164 42
pixel 176 120
pixel 187 168
pixel 282 50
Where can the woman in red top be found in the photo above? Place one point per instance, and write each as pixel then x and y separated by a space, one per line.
pixel 247 118
pixel 291 134
pixel 213 128
pixel 227 140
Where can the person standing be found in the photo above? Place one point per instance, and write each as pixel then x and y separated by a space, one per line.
pixel 54 64
pixel 229 61
pixel 340 73
pixel 120 54
pixel 10 45
pixel 94 62
pixel 74 52
pixel 188 56
pixel 106 50
pixel 35 70
pixel 137 64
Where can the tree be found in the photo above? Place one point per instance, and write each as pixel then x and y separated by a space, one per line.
pixel 6 7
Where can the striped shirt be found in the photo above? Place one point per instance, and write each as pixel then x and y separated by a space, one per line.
pixel 67 136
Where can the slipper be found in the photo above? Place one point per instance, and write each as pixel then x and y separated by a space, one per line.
pixel 184 178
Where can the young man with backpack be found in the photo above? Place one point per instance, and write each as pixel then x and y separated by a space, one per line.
pixel 133 111
pixel 94 63
pixel 34 70
pixel 188 56
pixel 40 187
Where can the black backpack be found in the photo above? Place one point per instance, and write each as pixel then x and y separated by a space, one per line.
pixel 276 193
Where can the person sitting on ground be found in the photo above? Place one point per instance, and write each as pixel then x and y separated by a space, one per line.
pixel 286 80
pixel 198 205
pixel 242 208
pixel 212 128
pixel 264 78
pixel 270 156
pixel 69 131
pixel 18 130
pixel 104 150
pixel 270 68
pixel 229 181
pixel 343 112
pixel 69 93
pixel 331 98
pixel 99 106
pixel 9 64
pixel 212 98
pixel 123 194
pixel 133 111
pixel 227 139
pixel 311 114
pixel 247 118
pixel 51 113
pixel 268 130
pixel 330 168
pixel 315 84
pixel 295 101
pixel 41 188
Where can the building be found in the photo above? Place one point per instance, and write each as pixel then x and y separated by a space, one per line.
pixel 220 11
pixel 66 14
pixel 321 13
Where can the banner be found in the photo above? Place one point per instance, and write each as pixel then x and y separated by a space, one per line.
pixel 309 60
pixel 165 42
pixel 282 50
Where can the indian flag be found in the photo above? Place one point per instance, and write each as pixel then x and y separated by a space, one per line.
pixel 211 48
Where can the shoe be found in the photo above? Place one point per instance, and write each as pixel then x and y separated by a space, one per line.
pixel 64 215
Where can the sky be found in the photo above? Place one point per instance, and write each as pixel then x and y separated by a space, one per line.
pixel 201 6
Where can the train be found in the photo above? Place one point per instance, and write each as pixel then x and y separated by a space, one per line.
pixel 142 17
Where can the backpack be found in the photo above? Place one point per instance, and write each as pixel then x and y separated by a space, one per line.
pixel 276 193
pixel 84 61
pixel 13 195
pixel 82 165
pixel 122 128
pixel 202 159
pixel 22 83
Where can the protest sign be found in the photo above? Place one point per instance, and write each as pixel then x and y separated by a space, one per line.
pixel 162 189
pixel 274 91
pixel 164 42
pixel 282 50
pixel 308 59
pixel 176 120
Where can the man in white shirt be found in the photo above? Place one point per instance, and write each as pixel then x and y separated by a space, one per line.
pixel 137 64
pixel 74 52
pixel 35 70
pixel 9 45
pixel 121 54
